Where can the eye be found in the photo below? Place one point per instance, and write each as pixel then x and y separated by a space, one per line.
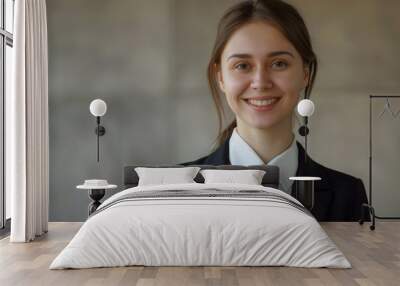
pixel 279 65
pixel 242 66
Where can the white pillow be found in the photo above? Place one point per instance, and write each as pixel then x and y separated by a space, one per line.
pixel 248 177
pixel 161 176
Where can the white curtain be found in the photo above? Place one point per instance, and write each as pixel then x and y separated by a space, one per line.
pixel 27 143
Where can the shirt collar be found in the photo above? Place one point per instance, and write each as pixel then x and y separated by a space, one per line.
pixel 240 153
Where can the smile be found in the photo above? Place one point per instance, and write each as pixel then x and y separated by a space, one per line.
pixel 264 104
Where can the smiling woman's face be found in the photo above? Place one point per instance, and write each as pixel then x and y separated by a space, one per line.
pixel 261 75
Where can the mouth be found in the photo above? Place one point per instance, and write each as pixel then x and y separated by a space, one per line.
pixel 262 104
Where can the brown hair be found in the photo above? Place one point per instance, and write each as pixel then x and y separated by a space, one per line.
pixel 277 12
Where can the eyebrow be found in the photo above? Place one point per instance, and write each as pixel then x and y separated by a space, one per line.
pixel 272 54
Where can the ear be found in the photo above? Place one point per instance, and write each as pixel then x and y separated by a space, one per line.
pixel 220 80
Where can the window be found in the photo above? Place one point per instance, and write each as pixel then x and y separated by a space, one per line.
pixel 6 56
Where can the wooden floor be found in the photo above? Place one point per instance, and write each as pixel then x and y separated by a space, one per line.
pixel 375 256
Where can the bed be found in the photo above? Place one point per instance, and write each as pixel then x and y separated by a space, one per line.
pixel 201 224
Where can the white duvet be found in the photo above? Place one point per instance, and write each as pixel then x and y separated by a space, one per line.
pixel 200 231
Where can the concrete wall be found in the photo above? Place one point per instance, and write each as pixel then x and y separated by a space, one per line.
pixel 147 59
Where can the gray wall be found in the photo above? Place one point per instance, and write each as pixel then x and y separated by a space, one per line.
pixel 147 60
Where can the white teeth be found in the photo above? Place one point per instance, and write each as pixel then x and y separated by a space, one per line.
pixel 262 102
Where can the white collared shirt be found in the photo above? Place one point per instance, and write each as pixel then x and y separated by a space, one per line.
pixel 240 153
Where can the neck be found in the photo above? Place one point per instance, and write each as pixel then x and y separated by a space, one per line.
pixel 269 142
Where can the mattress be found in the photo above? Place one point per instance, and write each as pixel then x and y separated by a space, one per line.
pixel 201 225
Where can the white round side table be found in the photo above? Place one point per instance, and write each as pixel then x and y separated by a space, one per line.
pixel 96 192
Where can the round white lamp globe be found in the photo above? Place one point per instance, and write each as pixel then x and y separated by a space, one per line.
pixel 98 107
pixel 305 107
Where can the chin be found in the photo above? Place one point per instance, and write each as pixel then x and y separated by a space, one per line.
pixel 262 125
pixel 265 123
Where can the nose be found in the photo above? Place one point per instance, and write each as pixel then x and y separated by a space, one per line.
pixel 261 79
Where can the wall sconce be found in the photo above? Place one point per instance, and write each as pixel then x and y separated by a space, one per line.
pixel 305 108
pixel 98 108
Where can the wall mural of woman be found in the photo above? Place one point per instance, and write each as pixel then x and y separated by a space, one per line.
pixel 262 63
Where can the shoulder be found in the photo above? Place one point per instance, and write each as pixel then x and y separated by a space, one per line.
pixel 343 186
pixel 219 156
pixel 335 175
pixel 200 161
pixel 339 196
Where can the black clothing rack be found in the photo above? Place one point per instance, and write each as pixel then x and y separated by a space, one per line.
pixel 369 205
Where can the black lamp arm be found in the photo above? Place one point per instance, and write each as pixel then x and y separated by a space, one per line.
pixel 100 131
pixel 304 131
pixel 305 145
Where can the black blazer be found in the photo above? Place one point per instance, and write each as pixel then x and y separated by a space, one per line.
pixel 338 196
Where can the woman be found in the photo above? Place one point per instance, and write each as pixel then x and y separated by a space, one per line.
pixel 262 61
